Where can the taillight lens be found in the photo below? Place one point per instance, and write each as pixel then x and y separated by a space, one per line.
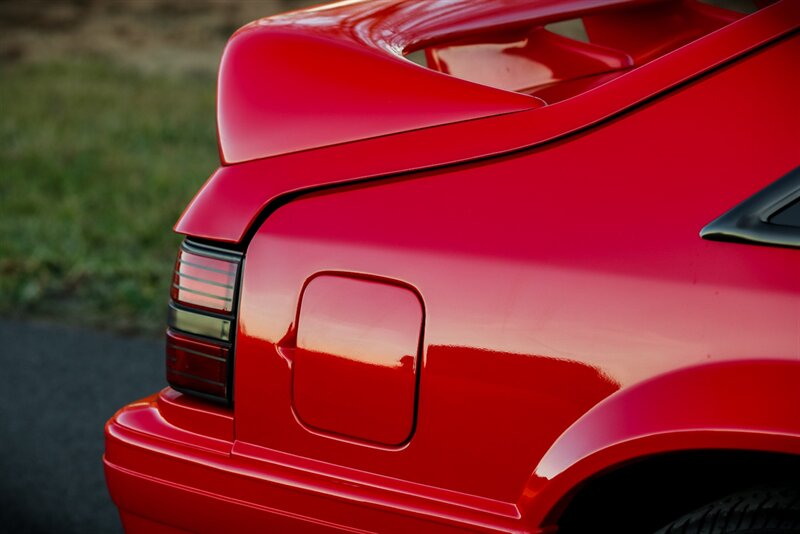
pixel 202 321
pixel 204 282
pixel 197 365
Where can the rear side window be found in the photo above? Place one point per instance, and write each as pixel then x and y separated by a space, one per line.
pixel 770 217
pixel 788 216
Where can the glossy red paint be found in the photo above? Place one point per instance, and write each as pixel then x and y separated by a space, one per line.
pixel 250 189
pixel 553 308
pixel 520 66
pixel 354 362
pixel 685 409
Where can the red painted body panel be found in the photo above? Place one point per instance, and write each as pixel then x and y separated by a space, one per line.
pixel 575 277
pixel 516 65
pixel 687 409
pixel 354 364
pixel 572 318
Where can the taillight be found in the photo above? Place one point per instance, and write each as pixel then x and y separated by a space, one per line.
pixel 202 321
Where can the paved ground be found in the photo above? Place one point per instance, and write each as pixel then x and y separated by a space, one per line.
pixel 58 386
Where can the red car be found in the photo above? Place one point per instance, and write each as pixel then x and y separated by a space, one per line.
pixel 547 282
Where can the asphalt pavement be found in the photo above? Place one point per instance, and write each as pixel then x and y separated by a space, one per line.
pixel 58 386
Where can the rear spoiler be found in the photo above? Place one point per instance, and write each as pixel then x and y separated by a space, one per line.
pixel 337 73
pixel 322 78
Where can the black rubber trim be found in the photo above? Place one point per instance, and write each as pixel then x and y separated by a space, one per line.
pixel 749 222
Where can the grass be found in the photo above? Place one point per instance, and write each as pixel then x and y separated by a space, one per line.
pixel 97 161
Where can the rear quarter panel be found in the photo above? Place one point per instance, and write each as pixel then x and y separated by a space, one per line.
pixel 551 278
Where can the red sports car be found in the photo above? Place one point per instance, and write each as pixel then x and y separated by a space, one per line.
pixel 544 278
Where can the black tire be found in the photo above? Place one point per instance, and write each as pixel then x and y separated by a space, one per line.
pixel 766 510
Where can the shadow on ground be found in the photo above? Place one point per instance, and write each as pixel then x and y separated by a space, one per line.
pixel 59 387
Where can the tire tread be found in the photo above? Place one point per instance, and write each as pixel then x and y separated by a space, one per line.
pixel 764 510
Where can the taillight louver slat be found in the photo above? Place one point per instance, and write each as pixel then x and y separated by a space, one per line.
pixel 204 282
pixel 202 321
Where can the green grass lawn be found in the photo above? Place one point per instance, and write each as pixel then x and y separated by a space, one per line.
pixel 97 162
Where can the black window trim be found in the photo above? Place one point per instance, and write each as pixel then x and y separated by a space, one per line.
pixel 749 222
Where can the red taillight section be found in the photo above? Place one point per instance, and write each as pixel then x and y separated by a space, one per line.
pixel 202 318
pixel 197 365
pixel 200 366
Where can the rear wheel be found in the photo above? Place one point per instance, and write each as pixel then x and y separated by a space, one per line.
pixel 766 510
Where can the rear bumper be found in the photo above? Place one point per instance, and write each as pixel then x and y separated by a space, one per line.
pixel 166 479
pixel 148 504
